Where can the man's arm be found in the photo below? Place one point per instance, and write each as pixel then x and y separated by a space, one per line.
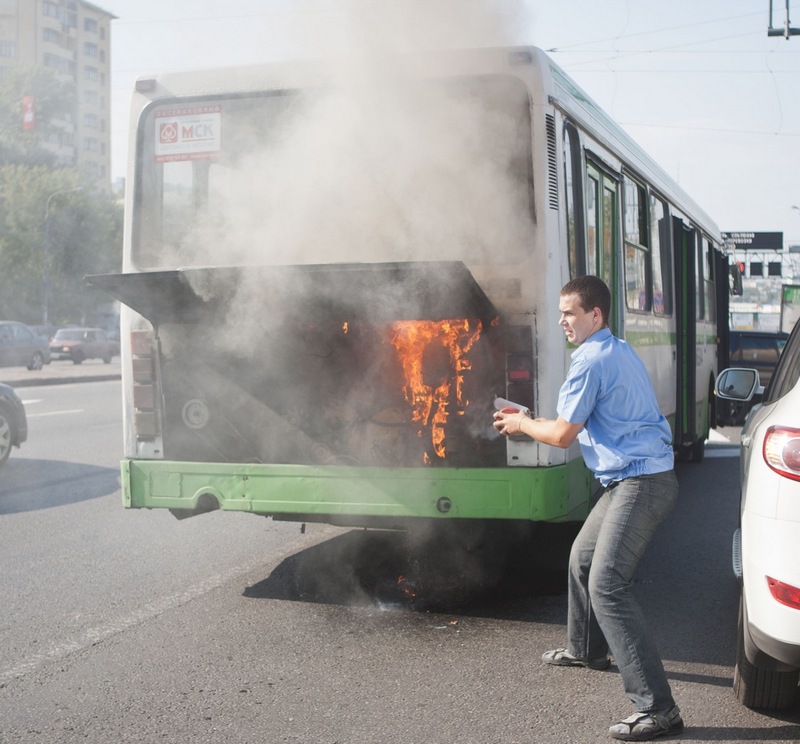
pixel 555 432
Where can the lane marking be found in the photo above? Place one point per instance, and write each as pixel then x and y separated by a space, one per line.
pixel 138 616
pixel 94 635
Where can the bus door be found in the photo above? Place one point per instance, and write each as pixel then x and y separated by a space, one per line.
pixel 685 251
pixel 723 292
pixel 601 225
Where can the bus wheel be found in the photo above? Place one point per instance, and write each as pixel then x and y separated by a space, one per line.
pixel 693 452
pixel 697 451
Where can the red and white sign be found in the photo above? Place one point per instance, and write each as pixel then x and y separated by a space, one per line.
pixel 28 113
pixel 188 133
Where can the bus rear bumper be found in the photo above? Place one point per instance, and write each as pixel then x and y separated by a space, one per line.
pixel 354 496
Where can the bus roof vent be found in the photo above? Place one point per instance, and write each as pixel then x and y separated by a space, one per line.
pixel 552 167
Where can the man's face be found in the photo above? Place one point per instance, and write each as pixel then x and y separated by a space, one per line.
pixel 578 324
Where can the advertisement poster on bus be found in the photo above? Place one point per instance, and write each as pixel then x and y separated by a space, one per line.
pixel 188 133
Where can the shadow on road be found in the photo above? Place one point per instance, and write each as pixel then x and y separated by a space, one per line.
pixel 497 574
pixel 685 584
pixel 27 485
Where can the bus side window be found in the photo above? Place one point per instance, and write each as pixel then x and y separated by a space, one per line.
pixel 662 257
pixel 637 254
pixel 592 197
pixel 708 284
pixel 606 271
pixel 601 220
pixel 700 269
pixel 574 200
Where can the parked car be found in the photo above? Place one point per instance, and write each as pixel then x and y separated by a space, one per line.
pixel 13 422
pixel 78 344
pixel 758 350
pixel 20 346
pixel 765 547
pixel 48 331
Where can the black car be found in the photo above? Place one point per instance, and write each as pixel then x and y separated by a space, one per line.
pixel 759 350
pixel 13 422
pixel 756 350
pixel 21 346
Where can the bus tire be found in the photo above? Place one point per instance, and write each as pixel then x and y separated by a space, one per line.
pixel 697 451
pixel 693 452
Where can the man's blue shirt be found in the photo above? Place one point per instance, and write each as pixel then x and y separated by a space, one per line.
pixel 608 388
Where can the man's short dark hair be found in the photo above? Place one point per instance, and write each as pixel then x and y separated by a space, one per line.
pixel 592 292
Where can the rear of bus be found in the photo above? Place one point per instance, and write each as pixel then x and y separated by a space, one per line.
pixel 329 276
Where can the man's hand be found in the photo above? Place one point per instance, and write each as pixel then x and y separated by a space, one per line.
pixel 509 421
pixel 555 432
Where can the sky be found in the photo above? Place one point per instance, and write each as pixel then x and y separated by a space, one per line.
pixel 699 84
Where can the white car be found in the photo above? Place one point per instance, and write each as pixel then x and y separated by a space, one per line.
pixel 766 547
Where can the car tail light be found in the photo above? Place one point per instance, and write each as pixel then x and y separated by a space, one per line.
pixel 784 593
pixel 145 399
pixel 782 451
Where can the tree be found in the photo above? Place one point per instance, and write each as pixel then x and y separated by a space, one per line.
pixel 84 236
pixel 86 239
pixel 53 228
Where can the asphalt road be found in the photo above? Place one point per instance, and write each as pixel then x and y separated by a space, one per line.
pixel 129 626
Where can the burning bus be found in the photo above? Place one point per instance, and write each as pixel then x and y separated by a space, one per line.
pixel 330 274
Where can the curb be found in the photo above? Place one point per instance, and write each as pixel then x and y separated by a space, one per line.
pixel 39 381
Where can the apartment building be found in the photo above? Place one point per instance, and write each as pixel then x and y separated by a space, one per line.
pixel 72 38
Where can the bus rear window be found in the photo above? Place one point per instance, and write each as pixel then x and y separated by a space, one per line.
pixel 438 170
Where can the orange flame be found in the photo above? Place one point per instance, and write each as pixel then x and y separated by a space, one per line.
pixel 429 387
pixel 406 587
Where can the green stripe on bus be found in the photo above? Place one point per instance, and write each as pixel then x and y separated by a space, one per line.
pixel 664 338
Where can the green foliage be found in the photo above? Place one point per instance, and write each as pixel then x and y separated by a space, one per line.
pixel 84 231
pixel 53 229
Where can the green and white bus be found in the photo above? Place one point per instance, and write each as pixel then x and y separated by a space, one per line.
pixel 332 270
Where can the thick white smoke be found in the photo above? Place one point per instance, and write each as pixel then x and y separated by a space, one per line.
pixel 386 167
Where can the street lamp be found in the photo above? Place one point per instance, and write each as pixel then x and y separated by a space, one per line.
pixel 46 273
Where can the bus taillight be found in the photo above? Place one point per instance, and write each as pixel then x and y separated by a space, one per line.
pixel 145 401
pixel 519 366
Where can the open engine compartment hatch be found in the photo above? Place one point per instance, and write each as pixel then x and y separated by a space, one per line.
pixel 374 292
pixel 380 364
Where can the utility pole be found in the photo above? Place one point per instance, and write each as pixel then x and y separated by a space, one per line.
pixel 46 272
pixel 787 29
